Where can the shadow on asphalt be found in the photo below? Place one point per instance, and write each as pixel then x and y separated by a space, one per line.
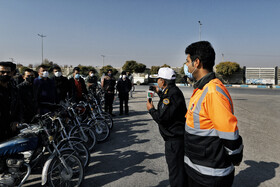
pixel 164 183
pixel 255 174
pixel 114 160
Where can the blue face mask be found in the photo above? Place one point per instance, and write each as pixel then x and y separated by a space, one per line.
pixel 186 71
pixel 77 76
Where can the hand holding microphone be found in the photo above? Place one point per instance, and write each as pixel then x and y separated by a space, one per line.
pixel 150 95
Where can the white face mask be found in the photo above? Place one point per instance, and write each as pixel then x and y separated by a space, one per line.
pixel 92 74
pixel 57 74
pixel 123 76
pixel 45 74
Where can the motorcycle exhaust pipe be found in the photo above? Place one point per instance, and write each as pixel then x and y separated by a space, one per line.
pixel 27 174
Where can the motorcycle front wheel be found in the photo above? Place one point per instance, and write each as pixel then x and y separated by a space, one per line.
pixel 108 119
pixel 66 170
pixel 79 146
pixel 101 130
pixel 86 134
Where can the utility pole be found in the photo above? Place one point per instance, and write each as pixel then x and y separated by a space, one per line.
pixel 103 56
pixel 199 22
pixel 12 59
pixel 42 36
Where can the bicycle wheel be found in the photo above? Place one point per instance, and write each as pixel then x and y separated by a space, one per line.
pixel 66 170
pixel 108 119
pixel 101 130
pixel 79 146
pixel 89 139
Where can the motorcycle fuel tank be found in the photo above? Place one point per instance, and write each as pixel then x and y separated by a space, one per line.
pixel 18 144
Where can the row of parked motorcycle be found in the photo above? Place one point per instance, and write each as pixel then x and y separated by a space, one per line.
pixel 57 144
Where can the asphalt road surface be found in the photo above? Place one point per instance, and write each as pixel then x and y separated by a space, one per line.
pixel 134 152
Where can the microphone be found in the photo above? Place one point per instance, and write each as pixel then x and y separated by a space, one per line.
pixel 150 93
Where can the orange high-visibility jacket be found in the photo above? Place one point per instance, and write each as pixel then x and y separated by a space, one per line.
pixel 212 141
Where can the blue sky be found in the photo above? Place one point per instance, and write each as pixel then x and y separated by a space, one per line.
pixel 152 32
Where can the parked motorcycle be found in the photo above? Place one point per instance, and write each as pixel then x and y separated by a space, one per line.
pixel 20 154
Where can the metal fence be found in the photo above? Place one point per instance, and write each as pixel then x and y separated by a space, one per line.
pixel 260 75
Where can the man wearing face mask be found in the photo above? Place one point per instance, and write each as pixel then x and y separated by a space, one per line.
pixel 91 81
pixel 44 89
pixel 108 84
pixel 213 145
pixel 9 107
pixel 170 117
pixel 26 95
pixel 62 84
pixel 123 87
pixel 78 86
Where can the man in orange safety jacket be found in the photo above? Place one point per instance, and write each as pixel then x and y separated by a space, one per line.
pixel 212 142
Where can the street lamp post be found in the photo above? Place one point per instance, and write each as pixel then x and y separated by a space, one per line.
pixel 42 36
pixel 12 59
pixel 103 56
pixel 199 22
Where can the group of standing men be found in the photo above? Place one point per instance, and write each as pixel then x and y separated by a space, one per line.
pixel 24 96
pixel 123 86
pixel 202 143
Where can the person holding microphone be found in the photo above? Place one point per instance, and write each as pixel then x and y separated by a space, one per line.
pixel 170 117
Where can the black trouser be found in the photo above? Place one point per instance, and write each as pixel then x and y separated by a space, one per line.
pixel 109 99
pixel 174 154
pixel 123 98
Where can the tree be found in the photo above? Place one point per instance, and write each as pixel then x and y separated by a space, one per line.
pixel 105 69
pixel 129 66
pixel 182 70
pixel 133 66
pixel 165 66
pixel 21 69
pixel 227 68
pixel 154 69
pixel 140 68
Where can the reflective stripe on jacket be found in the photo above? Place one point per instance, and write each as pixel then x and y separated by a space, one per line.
pixel 212 141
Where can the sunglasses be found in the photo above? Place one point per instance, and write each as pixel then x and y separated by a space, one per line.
pixel 3 72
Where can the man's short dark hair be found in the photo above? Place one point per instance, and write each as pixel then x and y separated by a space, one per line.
pixel 123 72
pixel 43 66
pixel 92 70
pixel 28 70
pixel 204 51
pixel 76 69
pixel 56 67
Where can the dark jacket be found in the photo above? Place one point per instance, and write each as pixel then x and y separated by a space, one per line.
pixel 9 111
pixel 123 86
pixel 44 93
pixel 74 92
pixel 93 83
pixel 109 84
pixel 62 87
pixel 27 101
pixel 170 115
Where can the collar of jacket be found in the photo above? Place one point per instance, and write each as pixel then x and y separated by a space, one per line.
pixel 204 80
pixel 166 90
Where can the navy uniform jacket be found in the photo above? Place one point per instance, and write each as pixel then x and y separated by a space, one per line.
pixel 170 115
